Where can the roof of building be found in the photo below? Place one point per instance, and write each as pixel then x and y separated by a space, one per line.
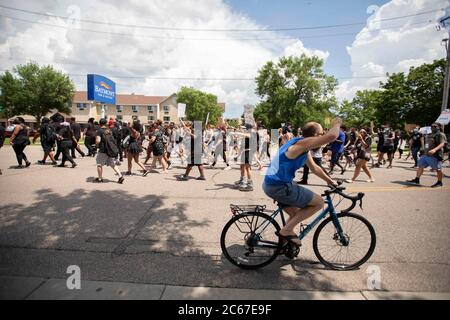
pixel 124 99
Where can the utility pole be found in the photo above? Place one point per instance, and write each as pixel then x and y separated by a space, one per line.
pixel 445 23
pixel 447 75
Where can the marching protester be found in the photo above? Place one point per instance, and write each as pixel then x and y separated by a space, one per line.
pixel 337 149
pixel 401 145
pixel 134 148
pixel 107 152
pixel 157 144
pixel 19 141
pixel 2 139
pixel 363 144
pixel 433 155
pixel 195 152
pixel 221 147
pixel 66 140
pixel 387 146
pixel 245 183
pixel 47 134
pixel 76 129
pixel 89 138
pixel 415 145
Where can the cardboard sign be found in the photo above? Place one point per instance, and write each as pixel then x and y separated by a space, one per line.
pixel 444 118
pixel 248 114
pixel 181 110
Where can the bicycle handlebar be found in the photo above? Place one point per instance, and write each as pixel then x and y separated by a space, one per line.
pixel 339 190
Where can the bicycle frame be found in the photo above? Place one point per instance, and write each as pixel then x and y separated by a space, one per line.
pixel 303 233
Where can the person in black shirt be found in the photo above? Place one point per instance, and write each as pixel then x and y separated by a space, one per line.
pixel 102 157
pixel 20 141
pixel 76 129
pixel 415 143
pixel 89 138
pixel 66 140
pixel 47 134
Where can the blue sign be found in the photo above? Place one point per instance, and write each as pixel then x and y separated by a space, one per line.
pixel 101 89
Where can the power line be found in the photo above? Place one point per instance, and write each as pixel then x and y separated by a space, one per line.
pixel 222 30
pixel 202 78
pixel 202 39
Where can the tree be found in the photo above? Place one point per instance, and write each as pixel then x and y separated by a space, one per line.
pixel 395 101
pixel 9 88
pixel 38 91
pixel 426 90
pixel 295 90
pixel 361 111
pixel 199 104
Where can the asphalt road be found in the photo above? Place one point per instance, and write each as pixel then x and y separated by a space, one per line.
pixel 156 230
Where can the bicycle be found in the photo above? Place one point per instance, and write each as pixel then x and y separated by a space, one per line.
pixel 254 245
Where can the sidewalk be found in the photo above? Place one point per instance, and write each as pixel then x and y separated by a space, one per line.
pixel 24 288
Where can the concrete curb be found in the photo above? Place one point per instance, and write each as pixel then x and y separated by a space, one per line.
pixel 27 288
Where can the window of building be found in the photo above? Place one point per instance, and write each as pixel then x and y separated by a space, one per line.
pixel 81 106
pixel 119 108
pixel 150 109
pixel 119 117
pixel 166 119
pixel 151 118
pixel 166 108
pixel 135 108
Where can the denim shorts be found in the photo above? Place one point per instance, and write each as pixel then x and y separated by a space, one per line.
pixel 429 161
pixel 289 195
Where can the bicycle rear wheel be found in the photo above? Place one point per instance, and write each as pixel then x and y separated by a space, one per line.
pixel 248 240
pixel 349 250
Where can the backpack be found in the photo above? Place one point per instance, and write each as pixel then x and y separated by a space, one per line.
pixel 110 144
pixel 50 135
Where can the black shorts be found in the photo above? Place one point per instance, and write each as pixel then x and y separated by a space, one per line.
pixel 387 149
pixel 47 147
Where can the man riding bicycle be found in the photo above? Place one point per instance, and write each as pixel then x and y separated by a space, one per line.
pixel 298 202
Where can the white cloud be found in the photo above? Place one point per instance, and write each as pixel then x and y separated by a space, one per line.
pixel 297 49
pixel 380 48
pixel 140 54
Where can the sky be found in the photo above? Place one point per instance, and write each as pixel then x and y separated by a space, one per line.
pixel 161 45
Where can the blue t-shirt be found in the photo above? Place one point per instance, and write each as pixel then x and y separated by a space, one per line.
pixel 282 169
pixel 338 147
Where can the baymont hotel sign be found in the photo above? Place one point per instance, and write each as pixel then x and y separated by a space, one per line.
pixel 101 89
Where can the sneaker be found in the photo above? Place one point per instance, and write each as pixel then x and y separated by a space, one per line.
pixel 201 178
pixel 146 173
pixel 246 187
pixel 74 165
pixel 41 162
pixel 370 180
pixel 128 173
pixel 437 185
pixel 98 180
pixel 303 182
pixel 239 182
pixel 349 181
pixel 415 181
pixel 121 180
pixel 182 178
pixel 27 164
pixel 227 168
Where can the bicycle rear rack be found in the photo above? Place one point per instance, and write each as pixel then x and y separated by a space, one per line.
pixel 240 209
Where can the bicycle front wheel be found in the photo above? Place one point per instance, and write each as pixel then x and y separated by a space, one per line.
pixel 249 241
pixel 346 250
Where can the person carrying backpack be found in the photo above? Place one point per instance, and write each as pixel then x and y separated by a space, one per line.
pixel 107 152
pixel 47 135
pixel 433 155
